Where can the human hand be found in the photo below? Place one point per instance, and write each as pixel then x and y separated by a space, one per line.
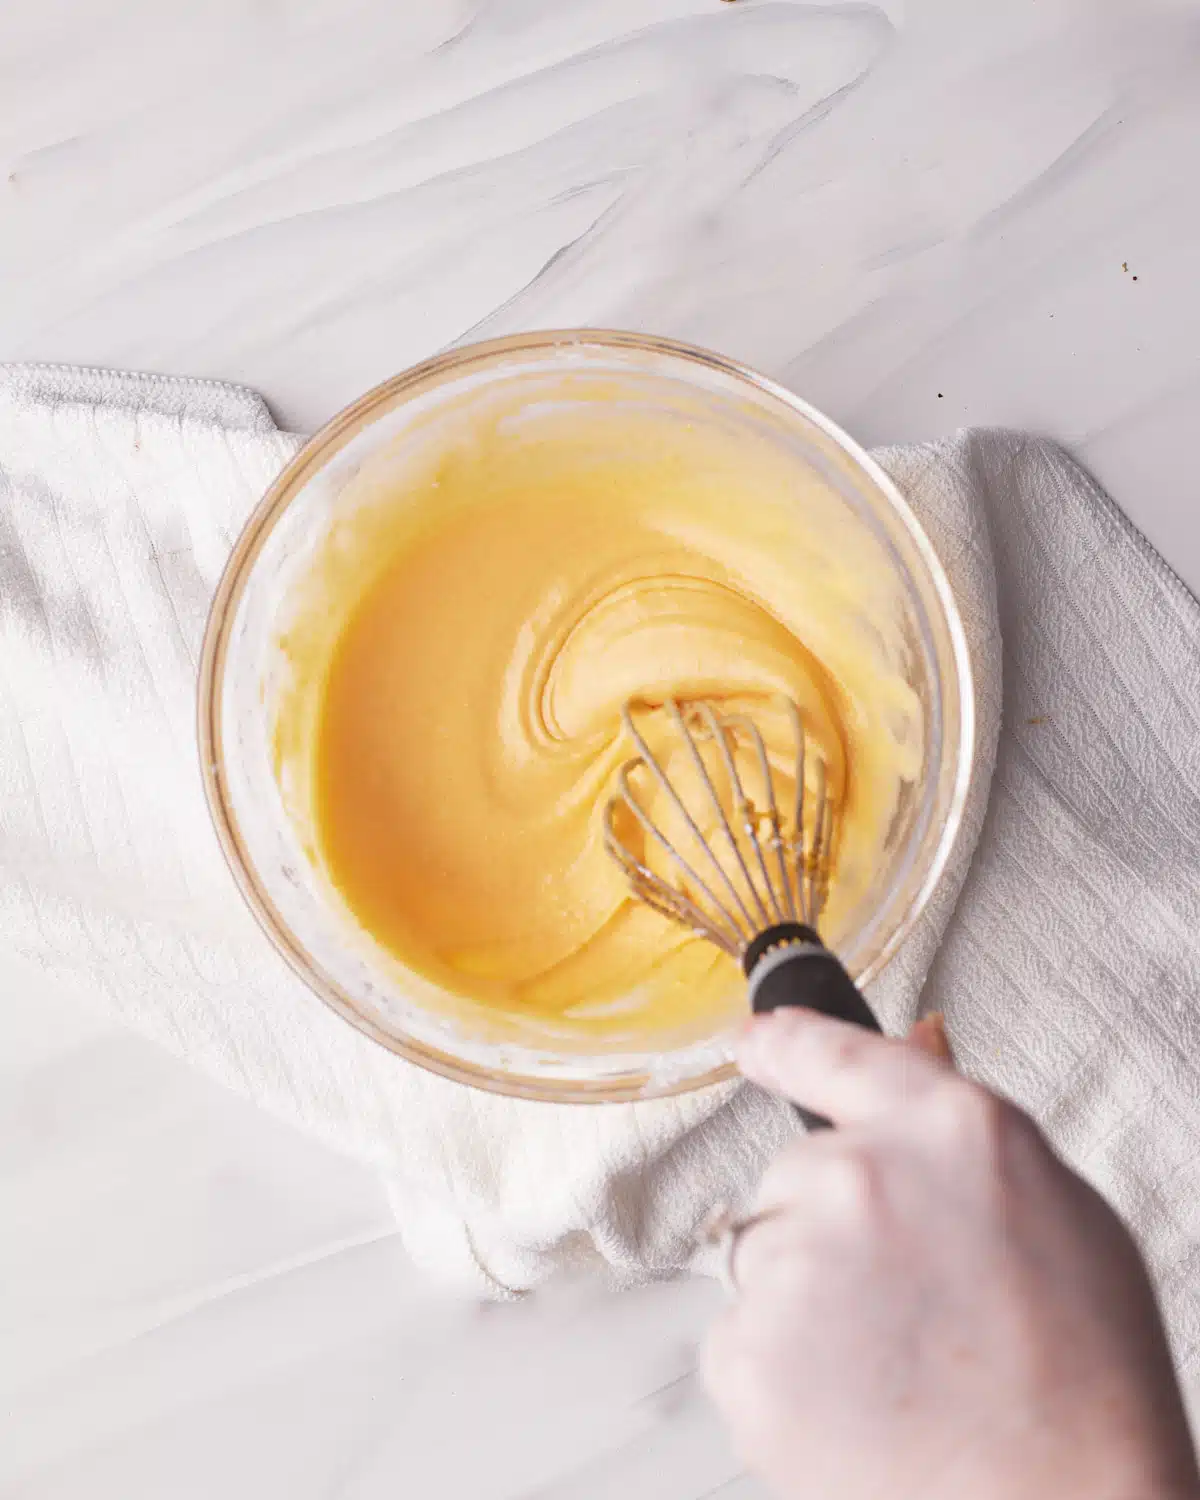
pixel 930 1303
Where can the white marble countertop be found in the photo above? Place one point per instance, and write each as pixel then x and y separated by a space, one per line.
pixel 919 214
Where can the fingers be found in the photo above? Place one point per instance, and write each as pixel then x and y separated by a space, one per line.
pixel 841 1071
pixel 774 1248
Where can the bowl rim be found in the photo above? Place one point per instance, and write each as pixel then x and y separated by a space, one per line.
pixel 308 461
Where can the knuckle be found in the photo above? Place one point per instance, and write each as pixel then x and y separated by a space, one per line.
pixel 979 1120
pixel 858 1184
pixel 845 1046
pixel 834 1181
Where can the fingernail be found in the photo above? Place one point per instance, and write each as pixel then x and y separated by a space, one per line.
pixel 929 1035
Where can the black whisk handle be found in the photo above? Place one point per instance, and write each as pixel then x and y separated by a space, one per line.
pixel 789 965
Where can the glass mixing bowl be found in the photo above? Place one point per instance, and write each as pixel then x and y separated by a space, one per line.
pixel 240 668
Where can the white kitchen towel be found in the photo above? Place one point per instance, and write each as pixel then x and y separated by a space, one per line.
pixel 1065 954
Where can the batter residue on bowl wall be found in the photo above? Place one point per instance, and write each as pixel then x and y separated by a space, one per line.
pixel 488 597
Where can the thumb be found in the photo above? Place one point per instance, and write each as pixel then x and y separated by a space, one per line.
pixel 844 1072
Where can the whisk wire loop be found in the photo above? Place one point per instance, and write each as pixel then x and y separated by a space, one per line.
pixel 784 877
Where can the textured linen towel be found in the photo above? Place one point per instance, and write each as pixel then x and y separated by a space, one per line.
pixel 1065 953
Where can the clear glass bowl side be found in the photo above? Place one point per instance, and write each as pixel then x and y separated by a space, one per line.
pixel 277 875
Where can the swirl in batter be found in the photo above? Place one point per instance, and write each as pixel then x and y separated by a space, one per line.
pixel 483 608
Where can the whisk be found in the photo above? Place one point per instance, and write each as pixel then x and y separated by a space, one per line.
pixel 754 884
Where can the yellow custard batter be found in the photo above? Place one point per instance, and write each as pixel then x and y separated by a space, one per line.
pixel 496 586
